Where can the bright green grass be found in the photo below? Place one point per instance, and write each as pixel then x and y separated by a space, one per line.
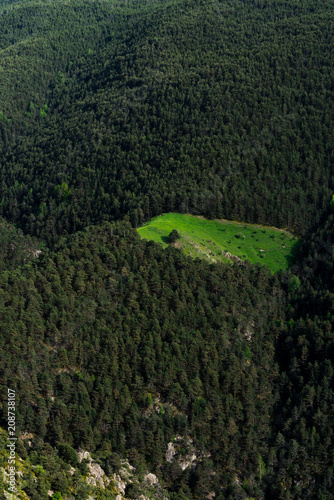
pixel 209 239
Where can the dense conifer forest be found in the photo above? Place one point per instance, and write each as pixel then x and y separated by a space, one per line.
pixel 184 379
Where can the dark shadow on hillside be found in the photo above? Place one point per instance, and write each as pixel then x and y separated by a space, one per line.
pixel 165 239
pixel 295 255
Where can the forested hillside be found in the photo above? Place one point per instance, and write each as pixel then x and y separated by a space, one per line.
pixel 115 345
pixel 212 380
pixel 223 109
pixel 108 323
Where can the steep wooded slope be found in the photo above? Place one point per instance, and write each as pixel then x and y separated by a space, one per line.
pixel 221 109
pixel 113 110
pixel 98 331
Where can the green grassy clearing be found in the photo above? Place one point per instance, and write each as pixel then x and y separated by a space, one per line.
pixel 212 239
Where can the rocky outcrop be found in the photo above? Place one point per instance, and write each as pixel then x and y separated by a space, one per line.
pixel 119 483
pixel 183 451
pixel 149 488
pixel 170 453
pixel 151 479
pixel 96 476
pixel 147 485
pixel 232 257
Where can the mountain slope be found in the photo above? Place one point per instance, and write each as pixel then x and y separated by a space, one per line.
pixel 196 107
pixel 97 343
pixel 216 379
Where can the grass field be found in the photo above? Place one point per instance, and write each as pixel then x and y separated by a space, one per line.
pixel 225 241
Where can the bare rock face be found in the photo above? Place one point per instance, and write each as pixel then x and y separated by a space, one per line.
pixel 170 453
pixel 188 461
pixel 124 477
pixel 149 487
pixel 96 476
pixel 27 435
pixel 183 451
pixel 151 479
pixel 83 455
pixel 120 484
pixel 127 470
pixel 72 471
